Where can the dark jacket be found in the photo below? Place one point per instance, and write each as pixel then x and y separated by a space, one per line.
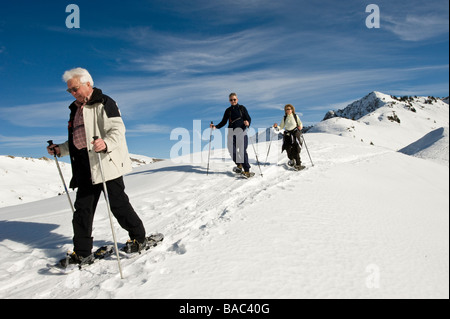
pixel 235 116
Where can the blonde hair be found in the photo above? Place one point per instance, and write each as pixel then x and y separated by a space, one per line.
pixel 289 106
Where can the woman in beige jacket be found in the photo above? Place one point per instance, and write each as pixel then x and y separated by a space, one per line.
pixel 292 142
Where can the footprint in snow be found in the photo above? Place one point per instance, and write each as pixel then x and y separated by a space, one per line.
pixel 180 249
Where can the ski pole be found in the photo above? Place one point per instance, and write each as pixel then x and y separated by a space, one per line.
pixel 307 150
pixel 209 153
pixel 256 154
pixel 50 143
pixel 105 192
pixel 270 144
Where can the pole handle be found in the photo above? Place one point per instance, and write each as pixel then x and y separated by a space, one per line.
pixel 50 143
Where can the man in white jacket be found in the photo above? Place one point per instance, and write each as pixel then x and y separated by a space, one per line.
pixel 95 114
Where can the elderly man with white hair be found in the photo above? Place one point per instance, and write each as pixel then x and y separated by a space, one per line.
pixel 96 114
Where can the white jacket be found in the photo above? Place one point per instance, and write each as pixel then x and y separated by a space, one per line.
pixel 290 122
pixel 102 118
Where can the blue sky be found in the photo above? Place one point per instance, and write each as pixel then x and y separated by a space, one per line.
pixel 170 62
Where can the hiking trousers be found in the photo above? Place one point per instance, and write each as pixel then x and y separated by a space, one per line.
pixel 237 147
pixel 86 203
pixel 293 146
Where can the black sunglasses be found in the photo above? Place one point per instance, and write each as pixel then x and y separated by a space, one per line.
pixel 73 90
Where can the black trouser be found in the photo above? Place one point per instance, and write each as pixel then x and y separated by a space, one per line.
pixel 292 145
pixel 86 203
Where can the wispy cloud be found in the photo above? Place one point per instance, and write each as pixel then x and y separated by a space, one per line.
pixel 418 27
pixel 416 20
pixel 36 115
pixel 144 129
pixel 195 54
pixel 33 141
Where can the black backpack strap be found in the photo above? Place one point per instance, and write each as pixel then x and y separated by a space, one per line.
pixel 296 119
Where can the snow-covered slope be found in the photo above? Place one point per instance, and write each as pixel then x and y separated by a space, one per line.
pixel 364 222
pixel 386 121
pixel 433 146
pixel 24 180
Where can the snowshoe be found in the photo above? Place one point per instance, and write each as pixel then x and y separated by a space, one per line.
pixel 298 167
pixel 133 246
pixel 103 252
pixel 74 259
pixel 238 169
pixel 247 174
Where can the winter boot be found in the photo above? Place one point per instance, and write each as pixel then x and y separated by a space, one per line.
pixel 238 169
pixel 133 246
pixel 248 174
pixel 74 259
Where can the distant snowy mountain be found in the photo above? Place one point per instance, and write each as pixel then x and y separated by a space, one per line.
pixel 376 100
pixel 362 107
pixel 386 120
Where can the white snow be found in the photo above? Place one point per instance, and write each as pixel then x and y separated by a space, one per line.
pixel 366 221
pixel 140 160
pixel 367 120
pixel 434 146
pixel 24 180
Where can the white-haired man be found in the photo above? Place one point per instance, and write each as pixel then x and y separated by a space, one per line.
pixel 95 114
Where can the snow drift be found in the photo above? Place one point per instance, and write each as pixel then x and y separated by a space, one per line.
pixel 433 146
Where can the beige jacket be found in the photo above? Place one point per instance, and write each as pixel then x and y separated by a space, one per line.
pixel 102 118
pixel 290 123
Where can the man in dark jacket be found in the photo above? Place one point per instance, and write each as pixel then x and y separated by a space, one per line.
pixel 238 121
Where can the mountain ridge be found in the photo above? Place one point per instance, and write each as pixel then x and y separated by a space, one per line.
pixel 407 119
